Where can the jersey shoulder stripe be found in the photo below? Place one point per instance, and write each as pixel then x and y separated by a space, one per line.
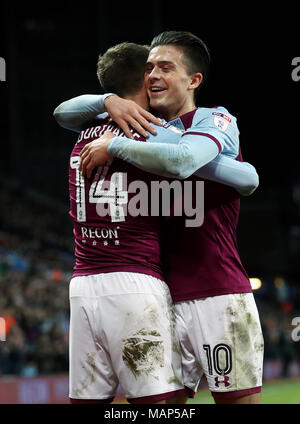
pixel 206 135
pixel 220 125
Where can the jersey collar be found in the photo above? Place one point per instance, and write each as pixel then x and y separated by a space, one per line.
pixel 184 121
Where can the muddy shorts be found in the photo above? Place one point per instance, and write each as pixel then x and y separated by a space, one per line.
pixel 122 332
pixel 221 337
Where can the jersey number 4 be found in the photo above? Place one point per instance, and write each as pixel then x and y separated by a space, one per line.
pixel 102 192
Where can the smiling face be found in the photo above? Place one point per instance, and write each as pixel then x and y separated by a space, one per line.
pixel 170 88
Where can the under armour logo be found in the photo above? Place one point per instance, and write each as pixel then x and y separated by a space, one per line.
pixel 225 381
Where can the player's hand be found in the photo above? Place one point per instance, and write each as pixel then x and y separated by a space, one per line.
pixel 95 154
pixel 127 113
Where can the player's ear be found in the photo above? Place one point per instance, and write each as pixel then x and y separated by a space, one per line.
pixel 196 80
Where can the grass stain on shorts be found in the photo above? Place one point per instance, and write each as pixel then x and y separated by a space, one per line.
pixel 143 352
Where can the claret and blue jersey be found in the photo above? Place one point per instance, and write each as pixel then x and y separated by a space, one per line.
pixel 204 261
pixel 107 239
pixel 215 123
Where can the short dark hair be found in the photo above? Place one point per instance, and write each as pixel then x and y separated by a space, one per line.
pixel 196 53
pixel 121 68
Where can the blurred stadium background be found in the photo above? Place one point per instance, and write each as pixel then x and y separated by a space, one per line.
pixel 51 50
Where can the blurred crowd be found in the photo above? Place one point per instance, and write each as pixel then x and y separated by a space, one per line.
pixel 36 260
pixel 281 343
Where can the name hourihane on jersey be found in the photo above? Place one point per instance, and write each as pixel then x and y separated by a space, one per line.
pixel 112 237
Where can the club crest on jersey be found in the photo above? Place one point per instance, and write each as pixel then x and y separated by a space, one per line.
pixel 221 121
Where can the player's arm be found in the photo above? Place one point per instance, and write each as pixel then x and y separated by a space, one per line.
pixel 213 131
pixel 222 169
pixel 181 155
pixel 242 176
pixel 193 155
pixel 74 114
pixel 166 159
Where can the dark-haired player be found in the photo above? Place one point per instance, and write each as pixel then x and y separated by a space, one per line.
pixel 216 314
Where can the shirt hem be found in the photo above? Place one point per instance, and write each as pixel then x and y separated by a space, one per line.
pixel 139 270
pixel 202 295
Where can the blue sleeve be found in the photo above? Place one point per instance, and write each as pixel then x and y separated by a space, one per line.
pixel 219 126
pixel 73 114
pixel 171 161
pixel 240 175
pixel 167 159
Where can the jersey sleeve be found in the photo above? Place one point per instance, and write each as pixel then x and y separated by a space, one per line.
pixel 75 113
pixel 159 155
pixel 242 176
pixel 218 125
pixel 172 160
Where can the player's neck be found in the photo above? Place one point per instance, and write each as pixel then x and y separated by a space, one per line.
pixel 169 114
pixel 140 98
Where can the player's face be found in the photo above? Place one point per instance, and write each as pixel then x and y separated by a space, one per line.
pixel 170 88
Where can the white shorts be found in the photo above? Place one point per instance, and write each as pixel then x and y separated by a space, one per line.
pixel 221 337
pixel 122 331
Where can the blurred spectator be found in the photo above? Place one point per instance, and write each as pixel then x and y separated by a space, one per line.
pixel 13 353
pixel 286 346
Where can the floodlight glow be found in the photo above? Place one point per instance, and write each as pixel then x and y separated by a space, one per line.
pixel 255 283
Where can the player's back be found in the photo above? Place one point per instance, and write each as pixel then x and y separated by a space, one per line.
pixel 107 238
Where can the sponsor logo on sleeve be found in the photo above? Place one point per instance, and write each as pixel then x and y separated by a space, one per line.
pixel 221 121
